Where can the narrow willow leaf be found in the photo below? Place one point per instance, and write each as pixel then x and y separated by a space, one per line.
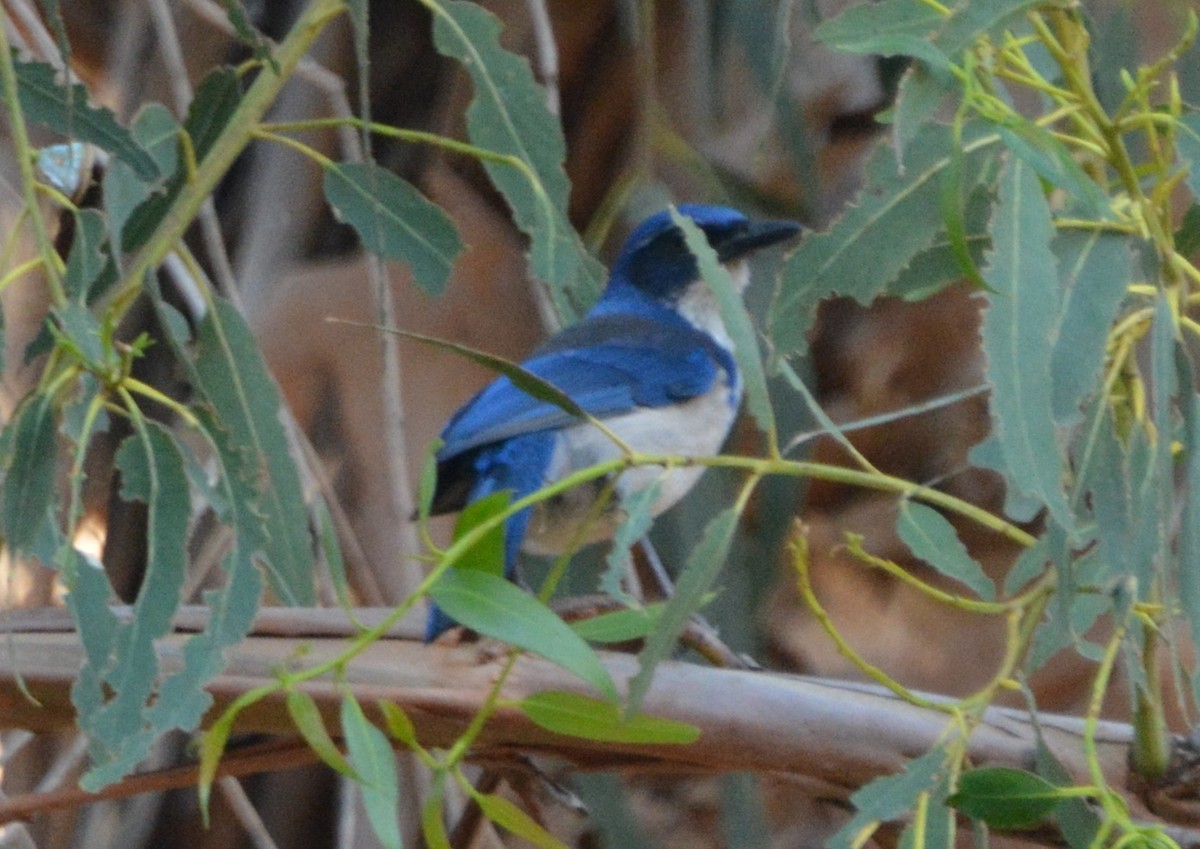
pixel 487 554
pixel 373 760
pixel 703 566
pixel 1078 821
pixel 978 18
pixel 940 265
pixel 394 220
pixel 636 524
pixel 931 537
pixel 620 625
pixel 1018 326
pixel 78 330
pixel 182 699
pixel 306 716
pixel 121 730
pixel 1005 798
pixel 890 797
pixel 874 241
pixel 1122 483
pixel 66 110
pixel 1189 534
pixel 29 480
pixel 1187 143
pixel 1053 162
pixel 512 819
pixel 216 98
pixel 1094 270
pixel 892 27
pixel 398 723
pixel 919 96
pixel 508 115
pixel 736 320
pixel 89 255
pixel 576 715
pixel 937 828
pixel 1187 237
pixel 227 368
pixel 212 747
pixel 247 34
pixel 497 608
pixel 157 131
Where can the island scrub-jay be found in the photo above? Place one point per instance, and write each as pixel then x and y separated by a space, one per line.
pixel 652 360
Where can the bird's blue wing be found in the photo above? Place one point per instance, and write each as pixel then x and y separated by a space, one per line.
pixel 608 365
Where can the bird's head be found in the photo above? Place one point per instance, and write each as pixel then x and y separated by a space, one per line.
pixel 656 259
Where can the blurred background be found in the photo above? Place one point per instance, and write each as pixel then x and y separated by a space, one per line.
pixel 712 101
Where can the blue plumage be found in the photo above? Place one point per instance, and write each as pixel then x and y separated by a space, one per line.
pixel 651 359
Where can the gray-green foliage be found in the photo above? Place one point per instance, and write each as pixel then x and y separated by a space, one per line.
pixel 1066 234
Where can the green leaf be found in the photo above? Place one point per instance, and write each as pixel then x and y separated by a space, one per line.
pixel 869 247
pixel 1187 237
pixel 638 509
pixel 580 716
pixel 155 128
pixel 977 18
pixel 890 797
pixel 940 265
pixel 182 699
pixel 89 255
pixel 508 115
pixel 398 723
pixel 78 330
pixel 432 827
pixel 487 554
pixel 1053 162
pixel 919 96
pixel 497 608
pixel 217 98
pixel 1189 535
pixel 1005 798
pixel 247 34
pixel 703 565
pixel 1187 144
pixel 121 724
pixel 1095 270
pixel 228 370
pixel 620 625
pixel 373 760
pixel 28 489
pixel 888 28
pixel 308 721
pixel 211 108
pixel 736 320
pixel 394 220
pixel 1125 488
pixel 1078 822
pixel 931 537
pixel 511 818
pixel 66 110
pixel 1018 328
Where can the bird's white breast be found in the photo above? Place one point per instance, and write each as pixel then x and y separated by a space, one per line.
pixel 695 428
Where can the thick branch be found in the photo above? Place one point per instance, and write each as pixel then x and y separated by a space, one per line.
pixel 832 735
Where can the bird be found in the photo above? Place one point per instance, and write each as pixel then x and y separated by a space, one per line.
pixel 652 360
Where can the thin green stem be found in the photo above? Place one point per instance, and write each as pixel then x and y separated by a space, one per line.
pixel 24 155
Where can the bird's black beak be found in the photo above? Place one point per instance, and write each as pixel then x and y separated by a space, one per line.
pixel 737 243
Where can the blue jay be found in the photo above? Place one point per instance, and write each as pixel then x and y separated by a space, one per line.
pixel 652 360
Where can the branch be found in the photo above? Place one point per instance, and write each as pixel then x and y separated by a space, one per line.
pixel 830 734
